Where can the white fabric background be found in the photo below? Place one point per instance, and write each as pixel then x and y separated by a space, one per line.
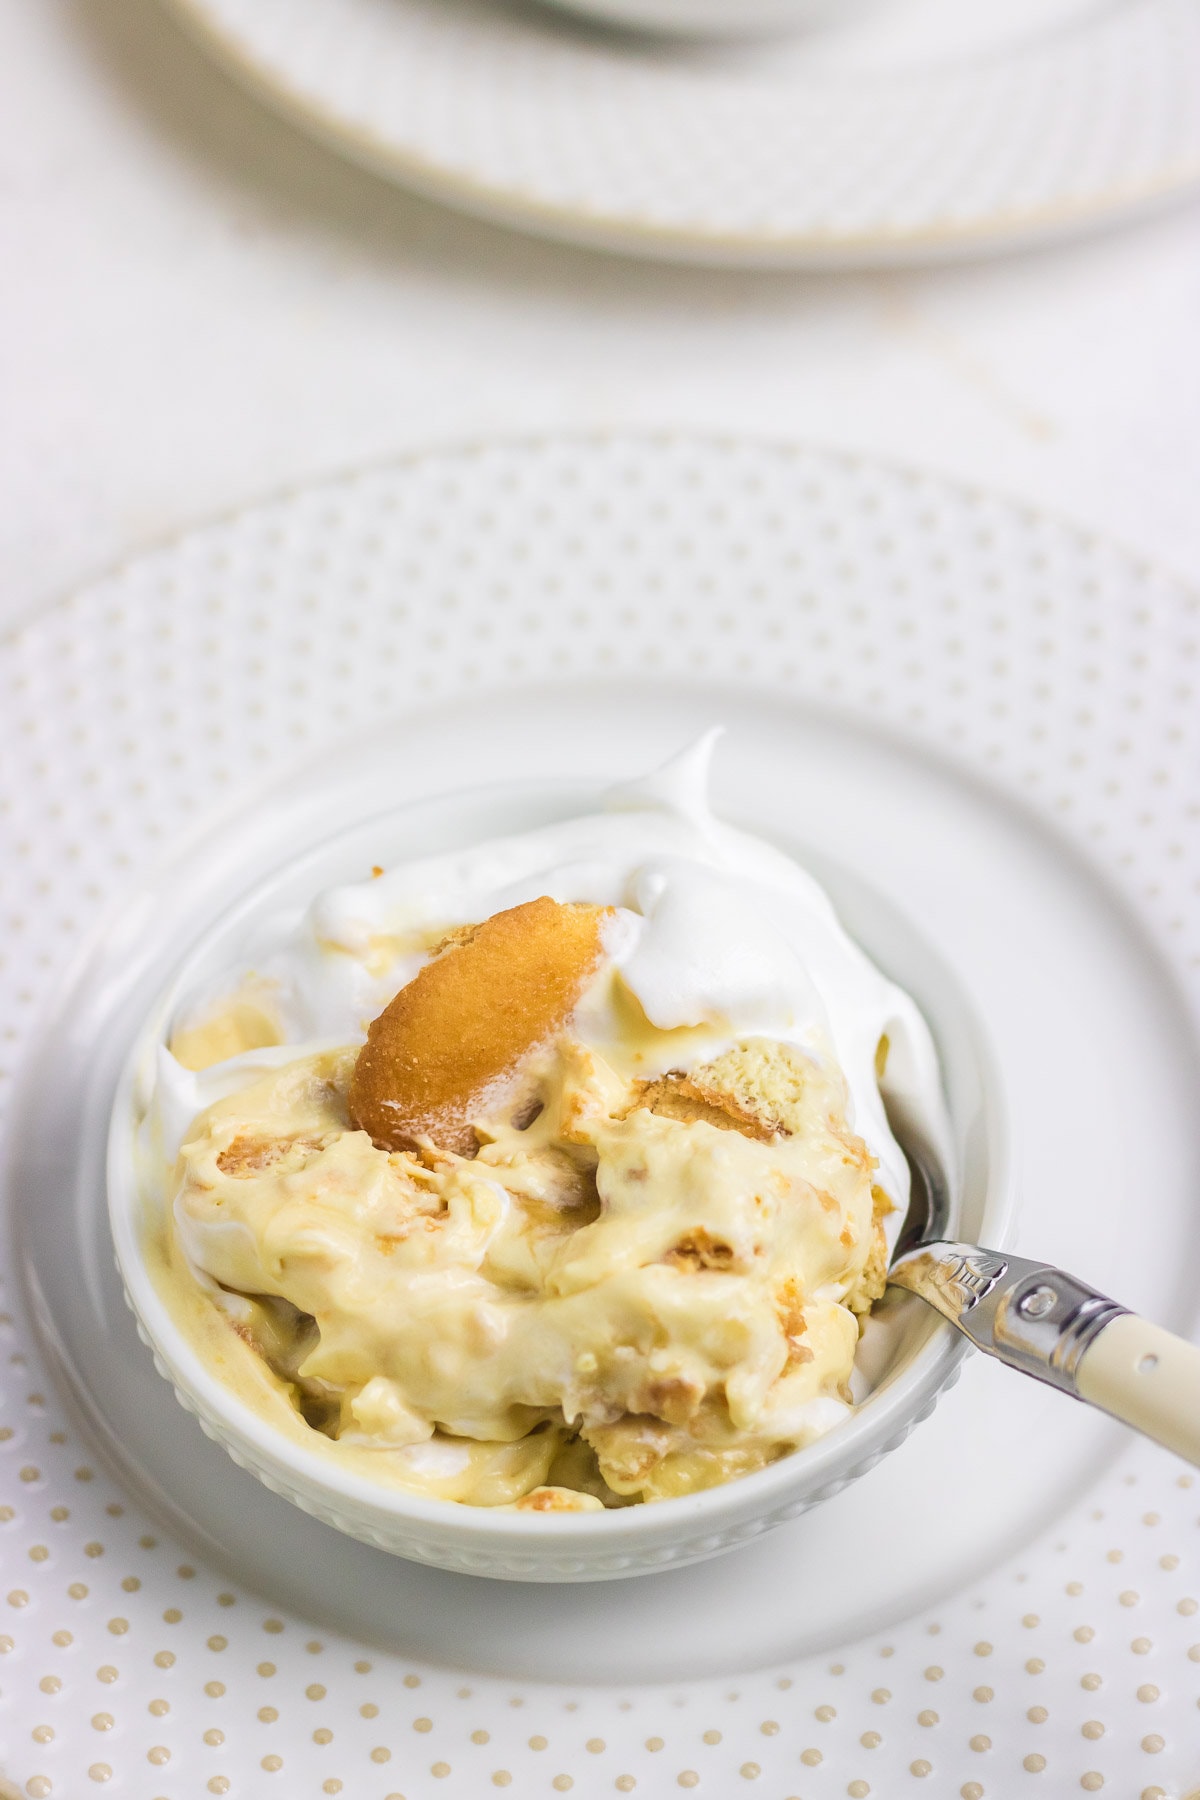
pixel 198 307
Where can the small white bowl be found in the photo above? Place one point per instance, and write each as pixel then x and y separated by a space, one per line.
pixel 921 1354
pixel 706 18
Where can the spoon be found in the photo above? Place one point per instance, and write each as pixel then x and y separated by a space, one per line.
pixel 1047 1323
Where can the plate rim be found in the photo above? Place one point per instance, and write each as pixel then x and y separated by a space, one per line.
pixel 462 445
pixel 614 233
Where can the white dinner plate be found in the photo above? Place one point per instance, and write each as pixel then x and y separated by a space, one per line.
pixel 904 131
pixel 991 715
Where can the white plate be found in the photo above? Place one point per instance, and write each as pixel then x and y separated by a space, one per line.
pixel 991 711
pixel 908 131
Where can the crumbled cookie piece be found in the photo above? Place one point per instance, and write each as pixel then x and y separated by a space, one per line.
pixel 756 1088
pixel 699 1249
pixel 249 1156
pixel 555 1500
pixel 872 1282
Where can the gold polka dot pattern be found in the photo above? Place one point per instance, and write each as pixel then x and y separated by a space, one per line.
pixel 114 1678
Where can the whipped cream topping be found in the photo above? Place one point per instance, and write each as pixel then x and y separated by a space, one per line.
pixel 717 936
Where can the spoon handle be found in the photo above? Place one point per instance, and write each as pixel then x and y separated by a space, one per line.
pixel 1149 1378
pixel 1058 1329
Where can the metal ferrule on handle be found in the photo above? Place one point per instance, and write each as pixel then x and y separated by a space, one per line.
pixel 1056 1328
pixel 1037 1319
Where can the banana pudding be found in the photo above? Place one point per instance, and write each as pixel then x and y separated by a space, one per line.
pixel 554 1174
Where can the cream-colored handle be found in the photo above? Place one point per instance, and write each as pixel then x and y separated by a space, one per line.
pixel 1149 1378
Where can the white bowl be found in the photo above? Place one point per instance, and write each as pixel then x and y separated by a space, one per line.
pixel 706 18
pixel 920 1354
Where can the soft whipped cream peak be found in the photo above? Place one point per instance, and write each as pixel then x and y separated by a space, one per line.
pixel 594 858
pixel 715 931
pixel 709 953
pixel 680 785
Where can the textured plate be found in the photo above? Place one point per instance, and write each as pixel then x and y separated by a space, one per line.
pixel 1004 709
pixel 914 130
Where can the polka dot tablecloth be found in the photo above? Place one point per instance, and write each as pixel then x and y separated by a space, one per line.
pixel 1059 668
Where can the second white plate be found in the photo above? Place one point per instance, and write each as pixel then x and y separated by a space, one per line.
pixel 910 131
